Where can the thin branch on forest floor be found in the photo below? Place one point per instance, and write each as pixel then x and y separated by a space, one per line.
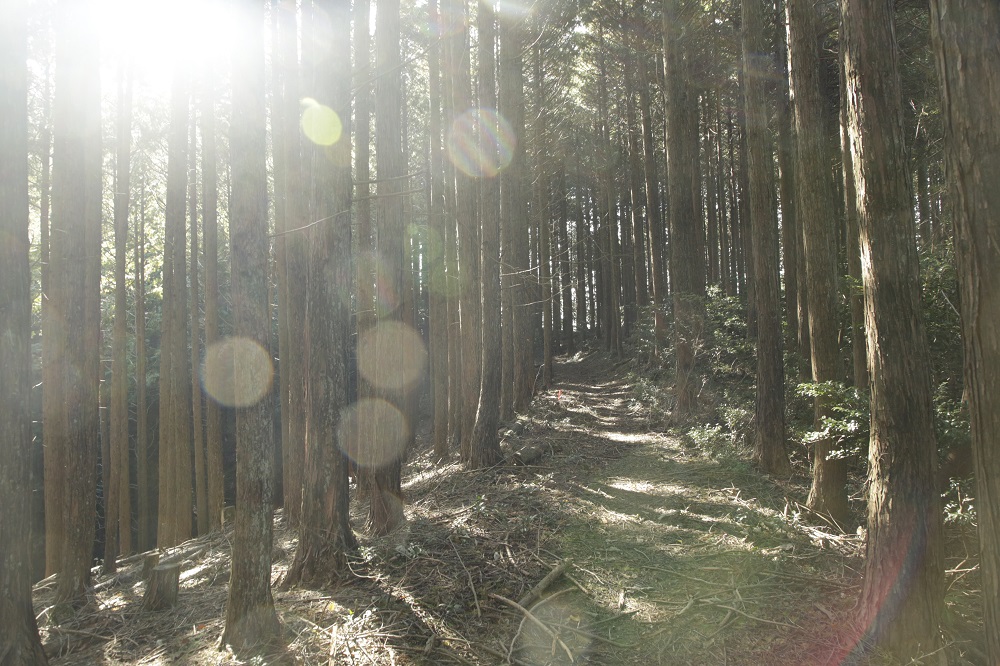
pixel 472 586
pixel 544 584
pixel 538 623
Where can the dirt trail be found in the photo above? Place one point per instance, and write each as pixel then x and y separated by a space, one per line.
pixel 677 558
pixel 686 559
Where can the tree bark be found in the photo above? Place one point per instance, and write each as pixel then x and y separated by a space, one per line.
pixel 74 257
pixel 197 422
pixel 19 642
pixel 210 223
pixel 175 430
pixel 251 621
pixel 485 450
pixel 902 598
pixel 816 208
pixel 686 265
pixel 325 535
pixel 118 525
pixel 964 38
pixel 769 415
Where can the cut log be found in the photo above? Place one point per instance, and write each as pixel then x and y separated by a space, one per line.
pixel 161 591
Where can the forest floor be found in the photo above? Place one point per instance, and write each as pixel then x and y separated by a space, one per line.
pixel 672 555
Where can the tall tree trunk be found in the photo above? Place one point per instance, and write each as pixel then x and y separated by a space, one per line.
pixel 485 450
pixel 514 207
pixel 118 524
pixel 654 221
pixel 175 415
pixel 383 354
pixel 769 415
pixel 144 485
pixel 964 37
pixel 686 264
pixel 251 621
pixel 210 223
pixel 19 642
pixel 294 241
pixel 198 426
pixel 564 261
pixel 437 285
pixel 816 207
pixel 786 187
pixel 74 258
pixel 325 535
pixel 903 594
pixel 856 296
pixel 540 211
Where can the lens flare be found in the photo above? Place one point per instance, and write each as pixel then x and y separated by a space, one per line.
pixel 372 432
pixel 480 143
pixel 320 123
pixel 237 372
pixel 392 356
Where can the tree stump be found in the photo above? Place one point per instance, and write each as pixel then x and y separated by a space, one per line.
pixel 148 564
pixel 161 590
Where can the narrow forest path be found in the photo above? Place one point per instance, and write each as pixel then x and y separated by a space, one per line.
pixel 685 559
pixel 677 557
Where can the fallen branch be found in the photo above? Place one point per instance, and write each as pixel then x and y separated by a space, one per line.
pixel 544 584
pixel 538 623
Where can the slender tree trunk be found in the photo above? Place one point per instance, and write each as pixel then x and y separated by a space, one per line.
pixel 146 521
pixel 210 223
pixel 817 208
pixel 786 188
pixel 686 265
pixel 175 429
pixel 514 208
pixel 251 621
pixel 387 444
pixel 485 449
pixel 19 642
pixel 564 261
pixel 903 594
pixel 964 38
pixel 437 285
pixel 325 535
pixel 198 427
pixel 74 257
pixel 769 415
pixel 118 524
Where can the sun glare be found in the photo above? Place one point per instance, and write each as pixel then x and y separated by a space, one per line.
pixel 156 36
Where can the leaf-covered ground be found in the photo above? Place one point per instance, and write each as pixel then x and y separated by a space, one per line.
pixel 671 556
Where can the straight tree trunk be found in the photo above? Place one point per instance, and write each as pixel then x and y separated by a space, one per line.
pixel 514 209
pixel 118 524
pixel 686 265
pixel 296 263
pixel 198 426
pixel 325 534
pixel 964 39
pixel 251 621
pixel 175 415
pixel 769 415
pixel 19 642
pixel 902 598
pixel 816 208
pixel 387 444
pixel 210 223
pixel 437 286
pixel 786 187
pixel 485 450
pixel 74 257
pixel 146 521
pixel 564 261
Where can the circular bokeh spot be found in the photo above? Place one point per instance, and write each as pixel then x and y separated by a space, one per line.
pixel 237 372
pixel 480 143
pixel 372 432
pixel 320 123
pixel 392 356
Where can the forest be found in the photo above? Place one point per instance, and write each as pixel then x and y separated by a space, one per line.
pixel 436 331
